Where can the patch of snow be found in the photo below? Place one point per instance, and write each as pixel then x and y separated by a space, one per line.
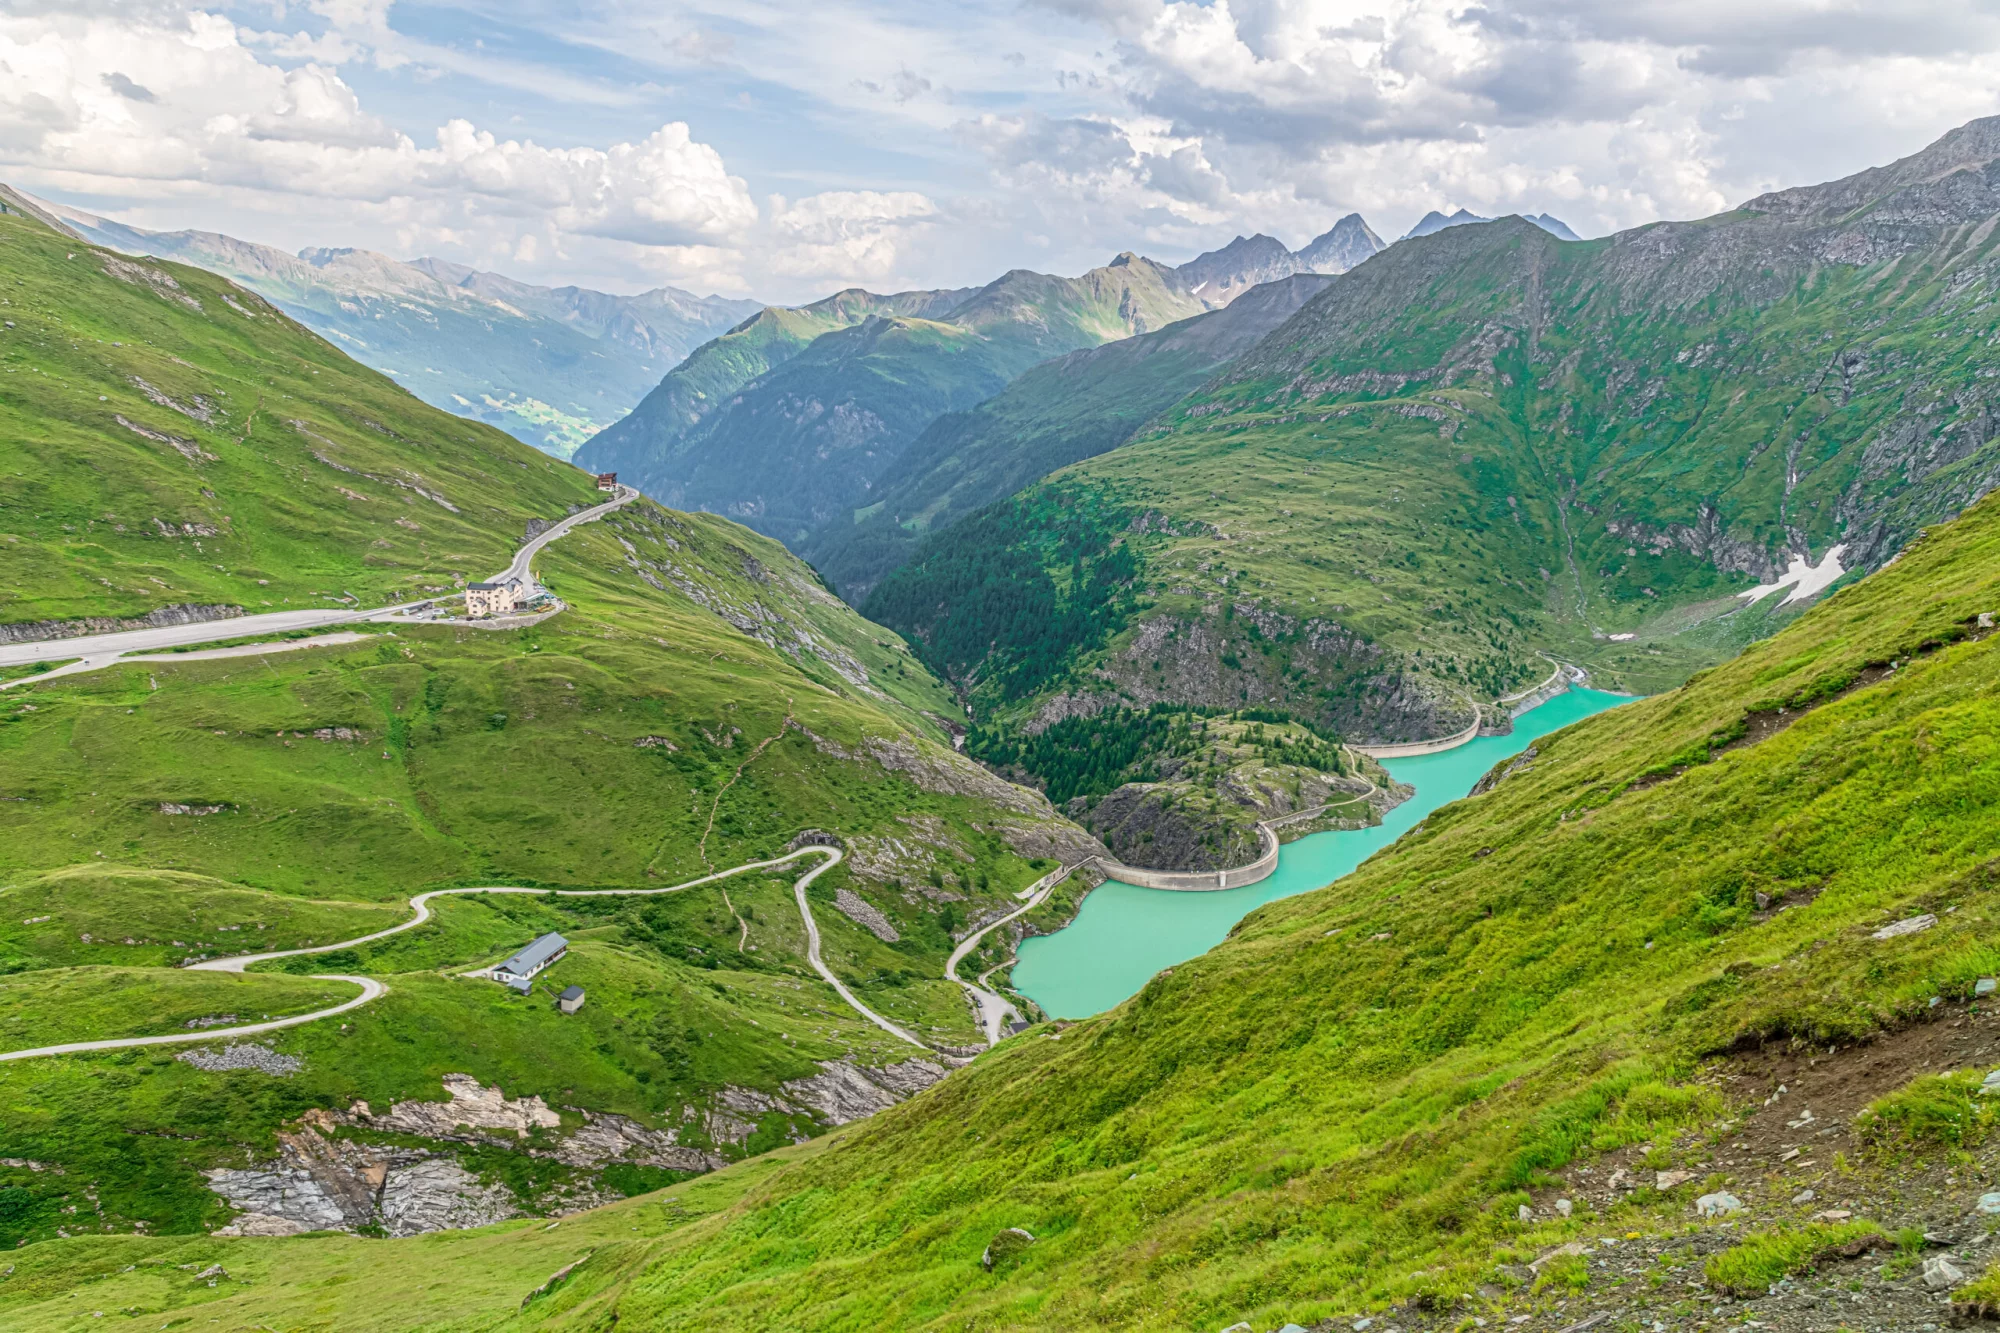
pixel 1805 580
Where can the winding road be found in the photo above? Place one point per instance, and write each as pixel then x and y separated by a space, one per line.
pixel 96 651
pixel 421 912
pixel 993 1007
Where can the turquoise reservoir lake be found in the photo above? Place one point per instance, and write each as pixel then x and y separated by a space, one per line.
pixel 1123 934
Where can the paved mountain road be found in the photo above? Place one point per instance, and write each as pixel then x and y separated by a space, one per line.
pixel 101 650
pixel 993 1007
pixel 812 949
pixel 421 912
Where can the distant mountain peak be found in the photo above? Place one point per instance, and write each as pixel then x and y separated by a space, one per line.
pixel 1435 221
pixel 1218 277
pixel 1343 245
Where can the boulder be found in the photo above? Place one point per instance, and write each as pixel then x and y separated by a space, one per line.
pixel 1941 1274
pixel 1005 1246
pixel 1909 925
pixel 1719 1204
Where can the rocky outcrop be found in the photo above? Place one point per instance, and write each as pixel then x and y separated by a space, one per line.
pixel 839 1094
pixel 864 914
pixel 1172 826
pixel 607 1138
pixel 323 1180
pixel 245 1056
pixel 437 1195
pixel 842 1093
pixel 471 1106
pixel 181 613
pixel 1237 652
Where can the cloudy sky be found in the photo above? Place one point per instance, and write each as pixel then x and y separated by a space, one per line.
pixel 785 148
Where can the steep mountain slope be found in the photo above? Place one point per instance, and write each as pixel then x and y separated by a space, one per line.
pixel 548 365
pixel 656 446
pixel 806 439
pixel 1486 445
pixel 1066 409
pixel 1625 975
pixel 702 701
pixel 1219 276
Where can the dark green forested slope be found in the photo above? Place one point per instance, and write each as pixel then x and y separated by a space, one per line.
pixel 1348 1103
pixel 1070 408
pixel 1486 445
pixel 796 444
pixel 168 438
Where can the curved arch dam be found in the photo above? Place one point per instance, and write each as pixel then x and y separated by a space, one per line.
pixel 1124 934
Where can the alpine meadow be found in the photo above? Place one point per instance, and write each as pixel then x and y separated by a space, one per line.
pixel 984 669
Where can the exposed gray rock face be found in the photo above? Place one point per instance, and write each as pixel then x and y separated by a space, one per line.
pixel 244 1056
pixel 280 1202
pixel 317 1183
pixel 842 1093
pixel 1321 670
pixel 865 914
pixel 320 1182
pixel 1347 243
pixel 439 1194
pixel 471 1107
pixel 839 1094
pixel 614 1138
pixel 181 613
pixel 736 1111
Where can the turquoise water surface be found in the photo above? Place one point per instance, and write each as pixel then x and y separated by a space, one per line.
pixel 1123 934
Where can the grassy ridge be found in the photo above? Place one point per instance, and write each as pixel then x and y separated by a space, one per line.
pixel 1313 1117
pixel 276 472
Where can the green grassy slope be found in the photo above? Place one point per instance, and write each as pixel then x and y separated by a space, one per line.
pixel 789 447
pixel 634 741
pixel 1486 445
pixel 166 438
pixel 1347 1102
pixel 1063 410
pixel 703 700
